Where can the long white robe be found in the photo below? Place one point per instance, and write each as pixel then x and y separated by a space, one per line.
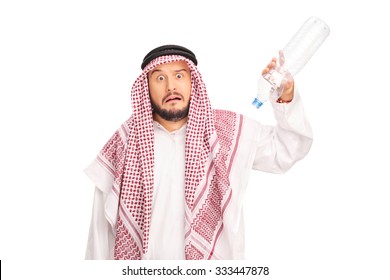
pixel 262 147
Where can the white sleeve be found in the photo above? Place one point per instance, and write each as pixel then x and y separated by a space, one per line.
pixel 101 240
pixel 279 147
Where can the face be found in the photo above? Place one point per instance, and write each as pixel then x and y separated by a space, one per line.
pixel 170 90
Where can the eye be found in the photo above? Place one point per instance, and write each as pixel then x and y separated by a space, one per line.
pixel 160 78
pixel 179 76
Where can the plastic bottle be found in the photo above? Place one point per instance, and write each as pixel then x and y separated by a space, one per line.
pixel 294 56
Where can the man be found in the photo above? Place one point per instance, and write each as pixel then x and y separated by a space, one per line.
pixel 170 182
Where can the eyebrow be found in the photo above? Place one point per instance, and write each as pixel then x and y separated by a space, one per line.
pixel 155 70
pixel 181 70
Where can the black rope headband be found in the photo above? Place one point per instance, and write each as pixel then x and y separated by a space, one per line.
pixel 167 50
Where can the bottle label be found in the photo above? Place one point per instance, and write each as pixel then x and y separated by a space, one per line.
pixel 275 78
pixel 264 88
pixel 268 84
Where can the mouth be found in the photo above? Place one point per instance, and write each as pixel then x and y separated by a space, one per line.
pixel 173 98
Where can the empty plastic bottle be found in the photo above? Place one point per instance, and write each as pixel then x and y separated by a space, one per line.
pixel 294 56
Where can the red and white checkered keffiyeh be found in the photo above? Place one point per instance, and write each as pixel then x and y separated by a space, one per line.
pixel 212 139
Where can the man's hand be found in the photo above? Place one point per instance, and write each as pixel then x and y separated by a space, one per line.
pixel 288 87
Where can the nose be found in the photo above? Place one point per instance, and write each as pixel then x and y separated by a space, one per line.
pixel 170 85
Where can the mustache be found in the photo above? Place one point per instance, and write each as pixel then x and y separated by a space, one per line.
pixel 173 93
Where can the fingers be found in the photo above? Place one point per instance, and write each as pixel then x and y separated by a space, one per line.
pixel 281 58
pixel 270 66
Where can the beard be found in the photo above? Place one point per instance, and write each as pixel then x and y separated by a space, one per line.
pixel 173 115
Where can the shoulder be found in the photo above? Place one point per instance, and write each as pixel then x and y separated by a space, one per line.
pixel 227 118
pixel 239 124
pixel 227 123
pixel 224 116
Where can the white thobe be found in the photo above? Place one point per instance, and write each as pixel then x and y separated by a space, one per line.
pixel 262 147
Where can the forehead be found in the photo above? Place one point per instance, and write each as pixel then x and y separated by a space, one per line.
pixel 171 66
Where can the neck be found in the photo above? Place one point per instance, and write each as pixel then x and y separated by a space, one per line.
pixel 169 125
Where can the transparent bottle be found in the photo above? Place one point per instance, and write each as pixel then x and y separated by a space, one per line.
pixel 292 58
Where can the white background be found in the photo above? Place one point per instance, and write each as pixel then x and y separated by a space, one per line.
pixel 66 69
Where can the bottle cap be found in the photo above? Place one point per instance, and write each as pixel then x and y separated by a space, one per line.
pixel 257 103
